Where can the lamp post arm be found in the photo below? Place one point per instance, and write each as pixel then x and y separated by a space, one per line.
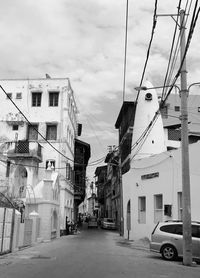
pixel 193 84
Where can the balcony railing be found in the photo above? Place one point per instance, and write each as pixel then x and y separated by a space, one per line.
pixel 24 148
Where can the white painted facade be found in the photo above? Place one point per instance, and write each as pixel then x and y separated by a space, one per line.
pixel 152 188
pixel 154 182
pixel 152 142
pixel 49 105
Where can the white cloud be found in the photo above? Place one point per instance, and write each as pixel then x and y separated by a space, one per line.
pixel 84 40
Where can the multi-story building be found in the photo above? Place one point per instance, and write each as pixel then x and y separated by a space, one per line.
pixel 82 155
pixel 102 190
pixel 39 125
pixel 171 113
pixel 113 185
pixel 152 178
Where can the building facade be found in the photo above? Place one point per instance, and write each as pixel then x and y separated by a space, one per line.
pixel 102 187
pixel 82 155
pixel 113 185
pixel 38 124
pixel 153 191
pixel 152 178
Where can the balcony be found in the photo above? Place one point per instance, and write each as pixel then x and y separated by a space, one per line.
pixel 79 196
pixel 24 149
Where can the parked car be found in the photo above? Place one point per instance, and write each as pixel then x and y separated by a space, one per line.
pixel 92 222
pixel 108 223
pixel 167 239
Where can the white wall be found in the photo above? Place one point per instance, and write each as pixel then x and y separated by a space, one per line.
pixel 64 115
pixel 169 183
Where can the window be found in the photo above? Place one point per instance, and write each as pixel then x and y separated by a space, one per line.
pixel 15 127
pixel 198 109
pixel 128 224
pixel 53 98
pixel 164 111
pixel 176 108
pixel 69 173
pixel 180 207
pixel 32 132
pixel 50 163
pixel 51 132
pixel 8 169
pixel 173 229
pixel 158 208
pixel 36 99
pixel 142 209
pixel 196 231
pixel 174 134
pixel 9 95
pixel 168 210
pixel 22 192
pixel 18 95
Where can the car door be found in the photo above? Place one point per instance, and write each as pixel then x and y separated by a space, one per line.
pixel 178 238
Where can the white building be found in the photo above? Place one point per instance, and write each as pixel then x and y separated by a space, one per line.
pixel 38 125
pixel 149 142
pixel 153 191
pixel 152 176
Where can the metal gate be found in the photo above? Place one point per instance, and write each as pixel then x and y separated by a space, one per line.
pixel 6 229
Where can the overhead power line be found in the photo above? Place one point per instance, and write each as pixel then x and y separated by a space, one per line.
pixel 191 30
pixel 25 117
pixel 33 125
pixel 170 62
pixel 149 47
pixel 125 51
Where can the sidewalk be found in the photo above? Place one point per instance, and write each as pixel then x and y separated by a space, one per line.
pixel 141 244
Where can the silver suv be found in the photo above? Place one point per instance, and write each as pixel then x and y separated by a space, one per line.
pixel 167 239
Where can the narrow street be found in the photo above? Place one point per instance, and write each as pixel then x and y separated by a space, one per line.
pixel 91 253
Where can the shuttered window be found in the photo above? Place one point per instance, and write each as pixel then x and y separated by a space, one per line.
pixel 51 132
pixel 53 98
pixel 32 132
pixel 36 99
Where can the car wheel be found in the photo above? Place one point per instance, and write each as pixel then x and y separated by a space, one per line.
pixel 169 252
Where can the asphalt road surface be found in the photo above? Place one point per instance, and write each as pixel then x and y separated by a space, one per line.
pixel 91 253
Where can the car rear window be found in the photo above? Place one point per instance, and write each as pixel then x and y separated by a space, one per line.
pixel 172 229
pixel 110 220
pixel 93 219
pixel 196 231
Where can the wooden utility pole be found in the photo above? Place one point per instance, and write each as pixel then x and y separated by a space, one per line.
pixel 187 238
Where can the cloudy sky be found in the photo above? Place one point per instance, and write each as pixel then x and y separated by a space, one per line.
pixel 84 41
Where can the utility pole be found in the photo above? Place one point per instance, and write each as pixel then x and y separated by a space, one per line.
pixel 121 213
pixel 187 238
